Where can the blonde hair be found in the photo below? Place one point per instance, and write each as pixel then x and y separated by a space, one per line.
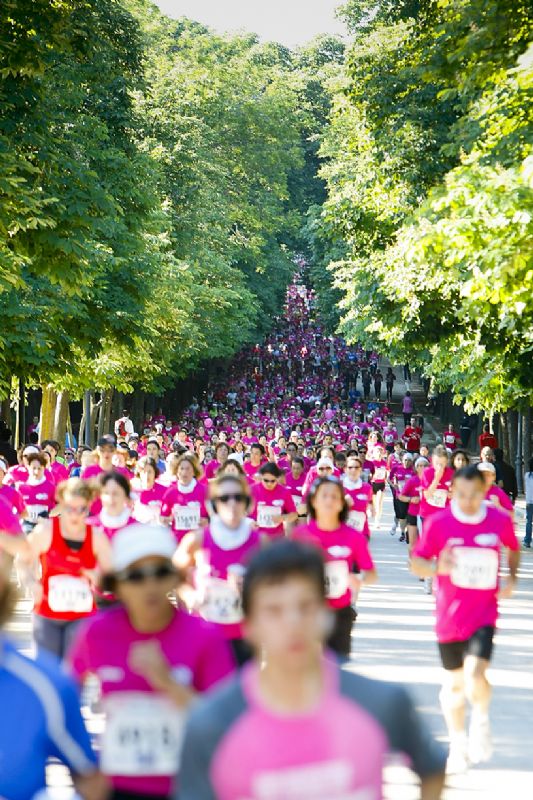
pixel 75 487
pixel 193 461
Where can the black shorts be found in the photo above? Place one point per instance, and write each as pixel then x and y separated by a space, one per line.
pixel 480 644
pixel 378 487
pixel 412 520
pixel 400 509
pixel 340 639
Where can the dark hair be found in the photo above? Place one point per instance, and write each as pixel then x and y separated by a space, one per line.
pixel 148 461
pixel 280 561
pixel 257 446
pixel 119 478
pixel 219 445
pixel 343 516
pixel 498 454
pixel 270 469
pixel 470 473
pixel 51 443
pixel 531 464
pixel 463 453
pixel 298 460
pixel 40 457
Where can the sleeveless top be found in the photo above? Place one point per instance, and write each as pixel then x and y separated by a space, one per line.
pixel 67 593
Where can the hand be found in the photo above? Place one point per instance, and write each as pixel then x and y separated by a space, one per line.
pixel 446 562
pixel 506 592
pixel 277 519
pixel 92 787
pixel 147 659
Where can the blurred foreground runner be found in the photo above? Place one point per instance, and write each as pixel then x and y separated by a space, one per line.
pixel 292 724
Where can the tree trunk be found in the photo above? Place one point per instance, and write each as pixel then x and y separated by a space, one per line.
pixel 5 411
pixel 48 408
pixel 137 409
pixel 512 424
pixel 60 417
pixel 526 437
pixel 104 417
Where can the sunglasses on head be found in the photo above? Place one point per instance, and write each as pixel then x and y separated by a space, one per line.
pixel 159 572
pixel 225 498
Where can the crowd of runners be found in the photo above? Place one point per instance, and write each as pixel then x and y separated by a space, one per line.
pixel 206 571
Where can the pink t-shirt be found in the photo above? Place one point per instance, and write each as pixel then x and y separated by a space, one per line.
pixel 412 489
pixel 440 497
pixel 38 497
pixel 147 502
pixel 334 752
pixel 143 727
pixel 251 471
pixel 269 503
pixel 401 476
pixel 361 494
pixel 59 471
pixel 380 471
pixel 14 498
pixel 496 494
pixel 295 486
pixel 344 549
pixel 186 509
pixel 9 522
pixel 467 599
pixel 16 475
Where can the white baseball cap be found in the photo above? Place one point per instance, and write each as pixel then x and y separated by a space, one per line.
pixel 486 466
pixel 30 450
pixel 325 462
pixel 139 541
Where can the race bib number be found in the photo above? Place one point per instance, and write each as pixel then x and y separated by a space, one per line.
pixel 297 499
pixel 143 735
pixel 475 568
pixel 34 512
pixel 357 519
pixel 265 516
pixel 66 593
pixel 337 579
pixel 380 474
pixel 222 602
pixel 439 498
pixel 187 518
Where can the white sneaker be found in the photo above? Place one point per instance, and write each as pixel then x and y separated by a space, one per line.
pixel 457 762
pixel 479 739
pixel 393 530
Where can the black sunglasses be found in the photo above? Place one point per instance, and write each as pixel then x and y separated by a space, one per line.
pixel 225 498
pixel 160 573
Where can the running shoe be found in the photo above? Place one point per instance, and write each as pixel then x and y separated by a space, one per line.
pixel 457 762
pixel 479 739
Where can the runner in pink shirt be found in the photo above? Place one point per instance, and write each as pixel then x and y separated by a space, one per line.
pixel 273 506
pixel 379 480
pixel 222 452
pixel 184 504
pixel 9 493
pixel 151 660
pixel 295 481
pixel 216 557
pixel 411 494
pixel 345 550
pixel 257 458
pixel 292 724
pixel 147 493
pixel 116 504
pixel 37 492
pixel 359 495
pixel 401 475
pixel 436 483
pixel 461 546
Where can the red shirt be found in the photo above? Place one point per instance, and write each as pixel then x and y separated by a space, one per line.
pixel 488 440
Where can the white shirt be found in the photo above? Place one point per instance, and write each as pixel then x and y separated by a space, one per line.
pixel 128 424
pixel 528 483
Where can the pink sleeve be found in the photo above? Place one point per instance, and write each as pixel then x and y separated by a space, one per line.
pixel 428 546
pixel 289 506
pixel 216 661
pixel 508 535
pixel 168 502
pixel 361 552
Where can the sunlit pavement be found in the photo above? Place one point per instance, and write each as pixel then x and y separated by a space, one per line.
pixel 393 640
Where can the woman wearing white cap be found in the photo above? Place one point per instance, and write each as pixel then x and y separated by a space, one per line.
pixel 411 494
pixel 151 659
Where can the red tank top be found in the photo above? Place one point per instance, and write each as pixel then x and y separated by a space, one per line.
pixel 67 594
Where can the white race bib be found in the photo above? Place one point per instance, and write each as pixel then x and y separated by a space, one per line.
pixel 357 519
pixel 265 514
pixel 439 498
pixel 67 593
pixel 187 518
pixel 475 568
pixel 35 511
pixel 222 602
pixel 337 579
pixel 297 500
pixel 380 474
pixel 143 735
